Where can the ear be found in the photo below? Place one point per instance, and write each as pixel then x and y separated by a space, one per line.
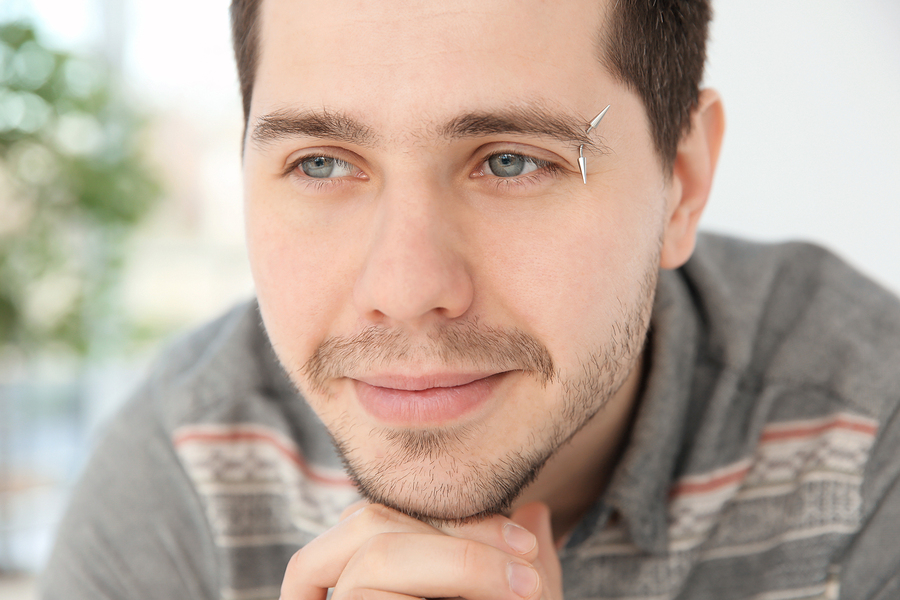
pixel 692 176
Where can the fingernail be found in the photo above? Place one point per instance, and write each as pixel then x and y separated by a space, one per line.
pixel 519 539
pixel 523 580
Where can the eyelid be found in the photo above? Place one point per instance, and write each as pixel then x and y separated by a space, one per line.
pixel 293 165
pixel 549 163
pixel 339 154
pixel 537 153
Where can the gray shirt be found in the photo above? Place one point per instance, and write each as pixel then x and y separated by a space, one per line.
pixel 762 463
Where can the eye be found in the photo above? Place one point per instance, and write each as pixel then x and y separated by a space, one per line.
pixel 507 164
pixel 324 167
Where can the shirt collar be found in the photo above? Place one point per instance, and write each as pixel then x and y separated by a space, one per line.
pixel 639 488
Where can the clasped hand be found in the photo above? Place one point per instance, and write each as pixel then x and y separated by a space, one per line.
pixel 376 553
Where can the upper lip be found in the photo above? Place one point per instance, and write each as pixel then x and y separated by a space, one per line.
pixel 422 382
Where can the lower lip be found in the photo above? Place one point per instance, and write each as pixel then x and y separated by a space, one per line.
pixel 434 406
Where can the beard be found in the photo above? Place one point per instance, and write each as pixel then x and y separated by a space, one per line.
pixel 433 474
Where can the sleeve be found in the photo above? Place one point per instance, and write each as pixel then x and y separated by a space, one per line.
pixel 870 567
pixel 135 528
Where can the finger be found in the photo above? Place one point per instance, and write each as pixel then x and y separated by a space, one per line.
pixel 364 594
pixel 536 518
pixel 359 504
pixel 501 533
pixel 318 565
pixel 438 566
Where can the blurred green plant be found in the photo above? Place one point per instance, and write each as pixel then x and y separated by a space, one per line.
pixel 73 184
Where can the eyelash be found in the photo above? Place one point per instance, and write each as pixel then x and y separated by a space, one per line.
pixel 295 164
pixel 545 168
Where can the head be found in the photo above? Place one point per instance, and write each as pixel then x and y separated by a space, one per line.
pixel 451 299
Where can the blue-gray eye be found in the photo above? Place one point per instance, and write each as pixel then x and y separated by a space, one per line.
pixel 324 167
pixel 512 165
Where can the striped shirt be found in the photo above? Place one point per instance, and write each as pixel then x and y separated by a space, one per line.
pixel 762 463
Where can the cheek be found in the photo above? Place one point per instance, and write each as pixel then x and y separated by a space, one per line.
pixel 298 274
pixel 568 279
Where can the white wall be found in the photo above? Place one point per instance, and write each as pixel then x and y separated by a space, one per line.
pixel 812 150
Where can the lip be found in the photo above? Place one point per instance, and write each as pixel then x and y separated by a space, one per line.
pixel 437 399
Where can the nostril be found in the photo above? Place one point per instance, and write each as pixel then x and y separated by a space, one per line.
pixel 406 292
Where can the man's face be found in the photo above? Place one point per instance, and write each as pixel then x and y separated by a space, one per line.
pixel 452 300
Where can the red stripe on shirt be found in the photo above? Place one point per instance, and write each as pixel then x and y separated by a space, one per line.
pixel 840 422
pixel 239 436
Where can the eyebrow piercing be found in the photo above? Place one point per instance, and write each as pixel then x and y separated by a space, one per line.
pixel 582 161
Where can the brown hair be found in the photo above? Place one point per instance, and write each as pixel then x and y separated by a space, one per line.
pixel 656 47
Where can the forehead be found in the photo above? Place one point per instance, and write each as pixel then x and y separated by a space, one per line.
pixel 398 63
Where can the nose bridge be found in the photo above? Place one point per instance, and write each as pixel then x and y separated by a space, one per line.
pixel 414 270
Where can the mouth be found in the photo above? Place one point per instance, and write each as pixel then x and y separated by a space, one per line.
pixel 428 400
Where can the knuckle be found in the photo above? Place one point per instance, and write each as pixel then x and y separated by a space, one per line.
pixel 293 572
pixel 359 504
pixel 300 566
pixel 468 558
pixel 295 565
pixel 375 515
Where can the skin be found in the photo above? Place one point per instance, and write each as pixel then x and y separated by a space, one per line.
pixel 418 235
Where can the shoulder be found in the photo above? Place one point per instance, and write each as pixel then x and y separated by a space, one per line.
pixel 135 510
pixel 210 368
pixel 807 349
pixel 797 315
pixel 133 515
pixel 789 438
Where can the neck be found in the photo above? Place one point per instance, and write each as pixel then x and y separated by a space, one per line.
pixel 575 476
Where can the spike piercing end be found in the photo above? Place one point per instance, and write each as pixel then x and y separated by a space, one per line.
pixel 582 161
pixel 582 164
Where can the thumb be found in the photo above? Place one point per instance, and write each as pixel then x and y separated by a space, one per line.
pixel 535 517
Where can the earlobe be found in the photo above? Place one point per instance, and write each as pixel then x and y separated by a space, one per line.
pixel 692 176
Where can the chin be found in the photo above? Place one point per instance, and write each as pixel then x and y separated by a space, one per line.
pixel 435 476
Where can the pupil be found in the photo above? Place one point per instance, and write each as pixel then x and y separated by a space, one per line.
pixel 318 166
pixel 507 165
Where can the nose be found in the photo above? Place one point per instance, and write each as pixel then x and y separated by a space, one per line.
pixel 415 273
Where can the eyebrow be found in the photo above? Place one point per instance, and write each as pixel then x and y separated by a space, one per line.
pixel 528 120
pixel 285 124
pixel 533 120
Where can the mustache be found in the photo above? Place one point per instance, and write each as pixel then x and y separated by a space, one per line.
pixel 464 345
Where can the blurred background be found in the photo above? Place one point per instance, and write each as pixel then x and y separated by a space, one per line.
pixel 120 208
